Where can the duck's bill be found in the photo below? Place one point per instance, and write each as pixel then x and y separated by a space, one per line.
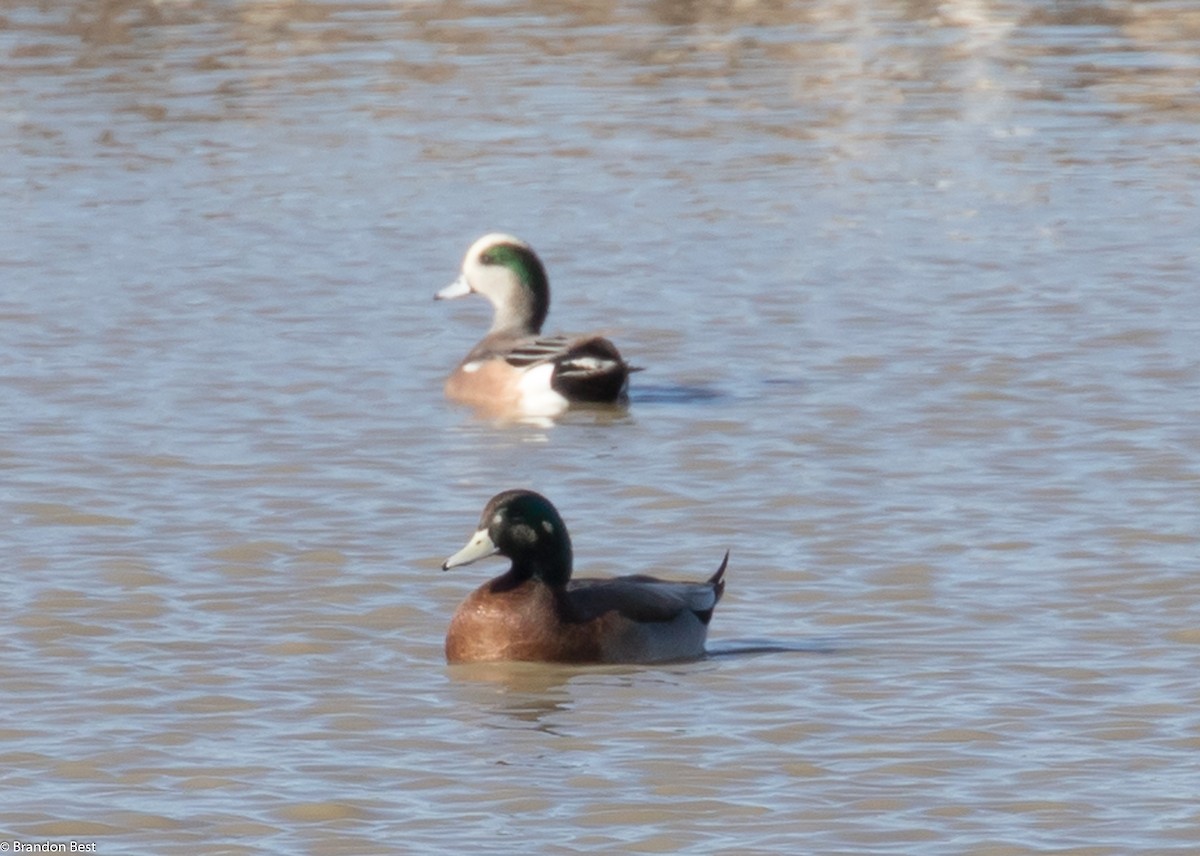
pixel 459 288
pixel 479 547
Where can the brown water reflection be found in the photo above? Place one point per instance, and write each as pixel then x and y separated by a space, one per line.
pixel 841 45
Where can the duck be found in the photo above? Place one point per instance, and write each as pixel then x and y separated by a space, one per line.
pixel 536 611
pixel 515 369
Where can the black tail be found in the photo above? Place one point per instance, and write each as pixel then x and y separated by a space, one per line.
pixel 592 371
pixel 717 580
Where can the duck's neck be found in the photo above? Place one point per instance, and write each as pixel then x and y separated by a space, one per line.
pixel 551 565
pixel 517 317
pixel 523 309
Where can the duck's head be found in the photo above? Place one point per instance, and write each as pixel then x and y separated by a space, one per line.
pixel 506 271
pixel 525 527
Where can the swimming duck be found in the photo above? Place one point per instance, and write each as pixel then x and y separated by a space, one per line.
pixel 515 369
pixel 536 612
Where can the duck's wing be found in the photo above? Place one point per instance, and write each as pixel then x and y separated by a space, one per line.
pixel 586 368
pixel 535 350
pixel 645 599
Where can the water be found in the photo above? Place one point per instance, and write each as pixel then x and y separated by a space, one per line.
pixel 914 288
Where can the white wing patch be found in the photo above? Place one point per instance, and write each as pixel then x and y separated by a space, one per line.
pixel 585 366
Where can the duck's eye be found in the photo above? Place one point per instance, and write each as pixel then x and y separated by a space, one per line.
pixel 524 534
pixel 487 257
pixel 548 526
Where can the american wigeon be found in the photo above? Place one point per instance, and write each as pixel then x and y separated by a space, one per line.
pixel 515 369
pixel 536 612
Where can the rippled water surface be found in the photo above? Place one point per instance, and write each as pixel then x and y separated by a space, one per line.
pixel 915 289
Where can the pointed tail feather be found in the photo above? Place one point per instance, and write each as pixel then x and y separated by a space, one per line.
pixel 717 580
